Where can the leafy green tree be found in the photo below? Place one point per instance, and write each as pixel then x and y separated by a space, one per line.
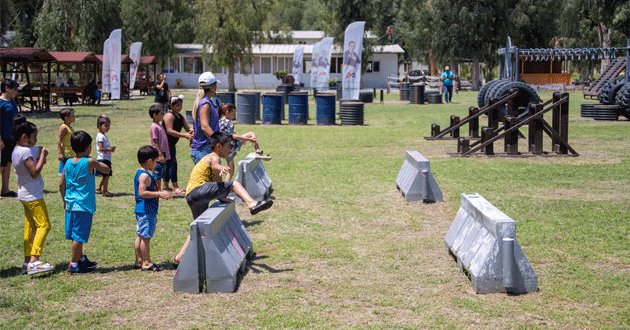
pixel 230 28
pixel 19 16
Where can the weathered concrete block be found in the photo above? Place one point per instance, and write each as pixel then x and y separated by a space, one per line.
pixel 219 245
pixel 483 241
pixel 415 180
pixel 254 178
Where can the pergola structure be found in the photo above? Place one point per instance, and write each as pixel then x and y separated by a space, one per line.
pixel 81 63
pixel 35 95
pixel 146 64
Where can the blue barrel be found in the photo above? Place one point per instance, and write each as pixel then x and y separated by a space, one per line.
pixel 246 107
pixel 298 108
pixel 256 104
pixel 273 108
pixel 226 97
pixel 326 108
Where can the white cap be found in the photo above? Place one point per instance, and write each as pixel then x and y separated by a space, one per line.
pixel 174 99
pixel 207 79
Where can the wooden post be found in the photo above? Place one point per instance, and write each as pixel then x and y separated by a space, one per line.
pixel 511 139
pixel 560 122
pixel 454 121
pixel 486 134
pixel 473 125
pixel 535 141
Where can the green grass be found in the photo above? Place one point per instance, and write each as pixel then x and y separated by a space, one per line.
pixel 340 248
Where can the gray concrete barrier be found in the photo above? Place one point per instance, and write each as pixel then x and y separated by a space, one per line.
pixel 415 180
pixel 483 241
pixel 218 248
pixel 254 178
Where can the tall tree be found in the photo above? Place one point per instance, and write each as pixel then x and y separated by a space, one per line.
pixel 230 28
pixel 22 20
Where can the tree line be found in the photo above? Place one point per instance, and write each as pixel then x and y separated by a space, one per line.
pixel 437 32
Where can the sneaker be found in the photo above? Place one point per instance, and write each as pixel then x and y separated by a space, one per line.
pixel 78 270
pixel 86 263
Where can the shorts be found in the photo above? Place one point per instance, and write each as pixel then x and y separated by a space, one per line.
pixel 159 171
pixel 62 165
pixel 234 151
pixel 9 145
pixel 198 154
pixel 146 224
pixel 199 198
pixel 109 164
pixel 78 226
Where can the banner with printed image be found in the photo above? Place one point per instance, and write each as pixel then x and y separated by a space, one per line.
pixel 105 76
pixel 352 49
pixel 114 62
pixel 315 65
pixel 324 62
pixel 134 53
pixel 297 63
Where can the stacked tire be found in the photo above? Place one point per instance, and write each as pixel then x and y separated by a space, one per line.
pixel 351 113
pixel 434 98
pixel 608 93
pixel 499 88
pixel 366 96
pixel 623 100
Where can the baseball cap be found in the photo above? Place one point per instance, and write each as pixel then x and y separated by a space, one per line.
pixel 207 79
pixel 174 99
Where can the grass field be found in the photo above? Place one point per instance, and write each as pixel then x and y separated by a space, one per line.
pixel 341 248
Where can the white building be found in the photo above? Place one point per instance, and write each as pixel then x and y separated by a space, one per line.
pixel 184 69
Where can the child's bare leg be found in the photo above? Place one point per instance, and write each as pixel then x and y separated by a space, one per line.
pixel 180 255
pixel 100 184
pixel 136 246
pixel 145 250
pixel 251 135
pixel 228 177
pixel 77 251
pixel 240 191
pixel 105 184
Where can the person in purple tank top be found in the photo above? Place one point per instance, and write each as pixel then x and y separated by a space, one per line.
pixel 205 116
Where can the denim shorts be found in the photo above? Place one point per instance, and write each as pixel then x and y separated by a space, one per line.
pixel 198 154
pixel 78 226
pixel 146 224
pixel 62 165
pixel 158 171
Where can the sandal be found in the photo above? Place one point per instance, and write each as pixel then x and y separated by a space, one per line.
pixel 36 267
pixel 9 194
pixel 107 194
pixel 153 268
pixel 261 206
pixel 178 191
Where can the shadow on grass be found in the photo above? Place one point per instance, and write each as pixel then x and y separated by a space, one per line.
pixel 248 224
pixel 258 267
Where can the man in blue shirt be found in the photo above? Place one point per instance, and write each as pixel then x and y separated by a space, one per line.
pixel 447 78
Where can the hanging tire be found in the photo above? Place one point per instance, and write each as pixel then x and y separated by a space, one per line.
pixel 492 90
pixel 610 89
pixel 526 96
pixel 623 100
pixel 481 97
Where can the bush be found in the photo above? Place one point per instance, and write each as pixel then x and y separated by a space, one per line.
pixel 332 82
pixel 281 74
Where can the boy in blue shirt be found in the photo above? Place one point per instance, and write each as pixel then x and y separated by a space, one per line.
pixel 79 198
pixel 147 193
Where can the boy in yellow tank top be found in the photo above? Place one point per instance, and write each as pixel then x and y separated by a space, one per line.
pixel 64 149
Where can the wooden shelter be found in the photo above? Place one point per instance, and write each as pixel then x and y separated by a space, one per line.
pixel 548 71
pixel 81 63
pixel 35 94
pixel 145 83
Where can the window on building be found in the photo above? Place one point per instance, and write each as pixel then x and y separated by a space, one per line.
pixel 173 65
pixel 256 65
pixel 373 66
pixel 336 64
pixel 198 65
pixel 307 66
pixel 265 65
pixel 189 64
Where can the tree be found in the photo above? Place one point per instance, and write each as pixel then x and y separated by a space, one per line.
pixel 20 17
pixel 230 28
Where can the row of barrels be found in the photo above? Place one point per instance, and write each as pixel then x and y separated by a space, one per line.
pixel 416 94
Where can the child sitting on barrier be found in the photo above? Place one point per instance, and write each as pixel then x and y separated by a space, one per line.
pixel 227 113
pixel 205 184
pixel 147 194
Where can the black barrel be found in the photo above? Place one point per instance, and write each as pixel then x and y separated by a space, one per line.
pixel 286 89
pixel 326 108
pixel 434 98
pixel 226 97
pixel 416 94
pixel 298 108
pixel 273 108
pixel 246 107
pixel 366 96
pixel 351 113
pixel 404 91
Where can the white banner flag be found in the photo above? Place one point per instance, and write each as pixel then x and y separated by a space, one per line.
pixel 315 65
pixel 297 63
pixel 324 62
pixel 134 53
pixel 352 48
pixel 105 77
pixel 114 62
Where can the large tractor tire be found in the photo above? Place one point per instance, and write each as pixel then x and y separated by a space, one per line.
pixel 610 89
pixel 526 96
pixel 623 100
pixel 491 91
pixel 481 97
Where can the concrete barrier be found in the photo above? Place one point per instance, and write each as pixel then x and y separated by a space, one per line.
pixel 483 241
pixel 219 245
pixel 254 178
pixel 418 187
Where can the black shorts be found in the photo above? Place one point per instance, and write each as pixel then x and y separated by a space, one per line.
pixel 109 164
pixel 9 145
pixel 200 197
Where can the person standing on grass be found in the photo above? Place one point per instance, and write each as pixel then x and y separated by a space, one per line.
pixel 205 117
pixel 173 123
pixel 28 162
pixel 64 149
pixel 8 110
pixel 104 154
pixel 147 193
pixel 79 198
pixel 159 141
pixel 447 79
pixel 162 92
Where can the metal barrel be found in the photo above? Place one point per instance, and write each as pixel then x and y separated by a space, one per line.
pixel 298 108
pixel 273 108
pixel 416 94
pixel 246 107
pixel 286 89
pixel 325 108
pixel 404 91
pixel 226 97
pixel 351 113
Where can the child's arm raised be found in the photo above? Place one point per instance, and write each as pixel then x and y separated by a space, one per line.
pixel 143 182
pixel 95 164
pixel 63 130
pixel 35 169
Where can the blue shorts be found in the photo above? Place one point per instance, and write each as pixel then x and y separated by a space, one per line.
pixel 62 164
pixel 197 155
pixel 146 223
pixel 78 226
pixel 159 171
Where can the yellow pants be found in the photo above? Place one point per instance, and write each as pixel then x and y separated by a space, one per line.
pixel 36 227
